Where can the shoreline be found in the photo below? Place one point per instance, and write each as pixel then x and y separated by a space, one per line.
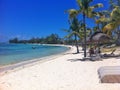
pixel 21 65
pixel 65 72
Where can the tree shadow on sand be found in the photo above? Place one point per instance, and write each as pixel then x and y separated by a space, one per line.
pixel 89 59
pixel 83 60
pixel 72 53
pixel 109 57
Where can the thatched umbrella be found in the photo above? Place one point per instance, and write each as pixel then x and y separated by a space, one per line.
pixel 99 37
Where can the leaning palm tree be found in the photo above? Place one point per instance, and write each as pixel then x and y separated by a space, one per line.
pixel 113 4
pixel 112 22
pixel 87 10
pixel 76 30
pixel 74 26
pixel 102 15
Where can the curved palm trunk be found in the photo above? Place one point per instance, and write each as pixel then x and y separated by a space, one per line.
pixel 76 44
pixel 84 35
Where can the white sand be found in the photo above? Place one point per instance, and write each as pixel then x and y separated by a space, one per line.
pixel 65 72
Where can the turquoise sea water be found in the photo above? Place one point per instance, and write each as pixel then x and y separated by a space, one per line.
pixel 14 53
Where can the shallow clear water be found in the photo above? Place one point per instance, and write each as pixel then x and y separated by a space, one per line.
pixel 13 53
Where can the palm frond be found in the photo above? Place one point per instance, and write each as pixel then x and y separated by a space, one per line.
pixel 99 5
pixel 90 10
pixel 109 27
pixel 79 3
pixel 72 13
pixel 115 14
pixel 102 19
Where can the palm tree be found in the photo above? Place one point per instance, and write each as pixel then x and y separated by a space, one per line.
pixel 74 26
pixel 113 4
pixel 111 19
pixel 112 22
pixel 83 5
pixel 102 21
pixel 87 10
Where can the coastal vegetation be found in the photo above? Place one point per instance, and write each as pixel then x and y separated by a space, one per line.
pixel 51 39
pixel 106 21
pixel 87 11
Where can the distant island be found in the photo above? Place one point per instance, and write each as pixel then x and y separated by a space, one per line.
pixel 51 39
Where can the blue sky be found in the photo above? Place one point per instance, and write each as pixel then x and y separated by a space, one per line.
pixel 36 18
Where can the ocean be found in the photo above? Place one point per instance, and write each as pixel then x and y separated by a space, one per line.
pixel 15 53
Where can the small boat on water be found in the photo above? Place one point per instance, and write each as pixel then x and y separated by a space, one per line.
pixel 33 47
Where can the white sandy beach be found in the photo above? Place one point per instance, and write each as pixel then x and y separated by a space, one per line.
pixel 65 72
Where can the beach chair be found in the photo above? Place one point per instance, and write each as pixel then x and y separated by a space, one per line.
pixel 111 54
pixel 109 74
